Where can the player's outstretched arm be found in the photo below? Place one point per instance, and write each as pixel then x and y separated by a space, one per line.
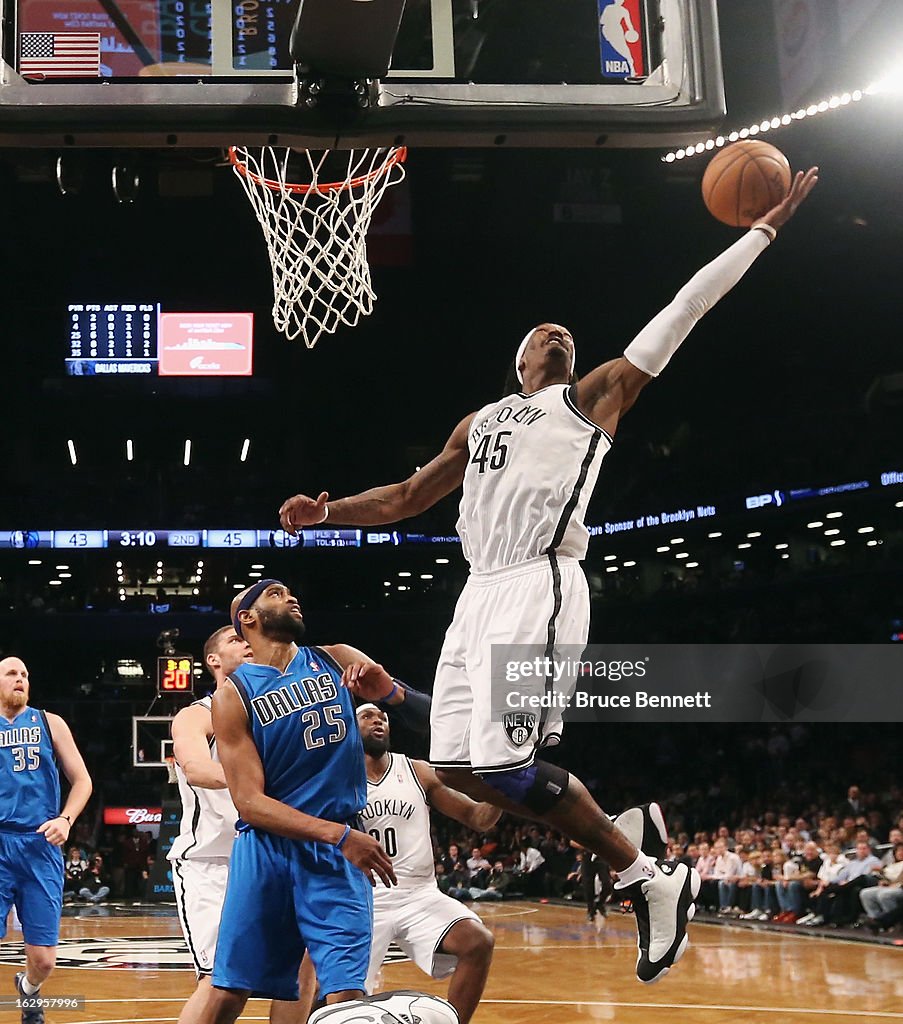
pixel 607 393
pixel 390 503
pixel 245 778
pixel 369 681
pixel 477 816
pixel 56 830
pixel 191 732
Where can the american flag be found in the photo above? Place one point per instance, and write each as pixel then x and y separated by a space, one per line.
pixel 59 54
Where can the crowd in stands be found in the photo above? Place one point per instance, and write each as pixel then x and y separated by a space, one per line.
pixel 114 866
pixel 838 867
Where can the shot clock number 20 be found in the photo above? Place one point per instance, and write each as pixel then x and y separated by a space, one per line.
pixel 175 674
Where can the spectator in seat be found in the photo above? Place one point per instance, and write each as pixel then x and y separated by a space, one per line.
pixel 832 863
pixel 883 903
pixel 838 903
pixel 95 887
pixel 727 873
pixel 73 872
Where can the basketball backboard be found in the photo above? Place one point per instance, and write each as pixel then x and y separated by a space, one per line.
pixel 464 73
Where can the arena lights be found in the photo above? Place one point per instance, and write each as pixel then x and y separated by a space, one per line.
pixel 692 565
pixel 746 544
pixel 245 447
pixel 814 525
pixel 834 515
pixel 781 547
pixel 837 543
pixel 56 583
pixel 770 124
pixel 73 458
pixel 186 458
pixel 662 550
pixel 755 533
pixel 682 554
pixel 426 576
pixel 609 558
pixel 629 565
pixel 445 561
pixel 254 575
pixel 715 534
pixel 404 574
pixel 129 450
pixel 831 533
pixel 866 529
pixel 611 568
pixel 677 540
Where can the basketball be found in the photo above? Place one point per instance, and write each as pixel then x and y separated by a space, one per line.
pixel 744 181
pixel 632 36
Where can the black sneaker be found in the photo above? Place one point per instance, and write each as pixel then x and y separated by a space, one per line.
pixel 645 827
pixel 663 906
pixel 29 1016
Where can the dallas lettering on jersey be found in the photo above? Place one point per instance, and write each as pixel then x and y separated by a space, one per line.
pixel 16 737
pixel 395 808
pixel 526 415
pixel 287 700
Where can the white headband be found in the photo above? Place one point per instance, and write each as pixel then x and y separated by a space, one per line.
pixel 367 707
pixel 523 347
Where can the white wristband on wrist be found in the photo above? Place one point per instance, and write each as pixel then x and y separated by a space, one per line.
pixel 769 230
pixel 325 514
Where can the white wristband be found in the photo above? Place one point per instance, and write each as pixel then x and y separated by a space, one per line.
pixel 325 514
pixel 769 229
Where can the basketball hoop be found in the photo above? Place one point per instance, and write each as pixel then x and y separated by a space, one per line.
pixel 316 230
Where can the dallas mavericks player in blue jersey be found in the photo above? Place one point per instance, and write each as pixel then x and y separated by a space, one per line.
pixel 528 465
pixel 300 874
pixel 32 828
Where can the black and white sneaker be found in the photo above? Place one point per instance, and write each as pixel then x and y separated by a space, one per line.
pixel 645 827
pixel 663 906
pixel 30 1015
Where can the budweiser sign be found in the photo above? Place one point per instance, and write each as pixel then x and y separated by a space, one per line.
pixel 132 815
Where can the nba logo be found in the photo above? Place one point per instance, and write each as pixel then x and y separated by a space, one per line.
pixel 621 25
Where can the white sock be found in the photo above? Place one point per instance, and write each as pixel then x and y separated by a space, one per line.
pixel 28 988
pixel 640 870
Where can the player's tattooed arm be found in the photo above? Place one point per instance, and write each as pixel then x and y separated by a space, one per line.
pixel 191 732
pixel 477 816
pixel 245 778
pixel 392 502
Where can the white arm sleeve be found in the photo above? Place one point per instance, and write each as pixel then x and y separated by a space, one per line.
pixel 653 347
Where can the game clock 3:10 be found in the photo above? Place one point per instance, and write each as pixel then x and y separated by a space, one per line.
pixel 135 538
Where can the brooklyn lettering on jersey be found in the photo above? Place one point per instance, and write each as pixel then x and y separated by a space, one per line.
pixel 393 808
pixel 17 737
pixel 526 415
pixel 298 695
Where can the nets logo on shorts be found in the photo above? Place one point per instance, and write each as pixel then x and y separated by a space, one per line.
pixel 519 725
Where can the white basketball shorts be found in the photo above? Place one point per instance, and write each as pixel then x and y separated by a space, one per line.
pixel 418 920
pixel 543 602
pixel 200 887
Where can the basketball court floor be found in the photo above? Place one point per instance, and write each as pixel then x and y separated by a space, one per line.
pixel 549 966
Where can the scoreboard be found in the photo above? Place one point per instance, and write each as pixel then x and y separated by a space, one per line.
pixel 112 338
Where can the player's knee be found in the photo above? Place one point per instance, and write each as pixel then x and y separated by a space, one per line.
pixel 42 960
pixel 470 940
pixel 538 788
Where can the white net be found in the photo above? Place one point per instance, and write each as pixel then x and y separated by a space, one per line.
pixel 315 209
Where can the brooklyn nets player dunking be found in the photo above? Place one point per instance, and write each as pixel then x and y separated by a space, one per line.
pixel 528 465
pixel 442 936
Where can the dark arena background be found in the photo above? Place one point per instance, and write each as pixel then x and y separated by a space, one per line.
pixel 753 496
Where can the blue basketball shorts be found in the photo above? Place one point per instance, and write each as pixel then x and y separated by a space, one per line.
pixel 31 876
pixel 285 896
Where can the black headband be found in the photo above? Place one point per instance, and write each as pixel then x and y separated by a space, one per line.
pixel 250 597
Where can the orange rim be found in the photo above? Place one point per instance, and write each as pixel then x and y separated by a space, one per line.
pixel 398 157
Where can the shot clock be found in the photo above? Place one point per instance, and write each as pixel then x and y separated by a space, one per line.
pixel 175 674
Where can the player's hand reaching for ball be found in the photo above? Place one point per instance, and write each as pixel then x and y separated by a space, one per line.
pixel 364 852
pixel 800 187
pixel 302 511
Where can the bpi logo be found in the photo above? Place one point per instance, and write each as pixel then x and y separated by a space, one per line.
pixel 384 538
pixel 519 726
pixel 620 39
pixel 776 498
